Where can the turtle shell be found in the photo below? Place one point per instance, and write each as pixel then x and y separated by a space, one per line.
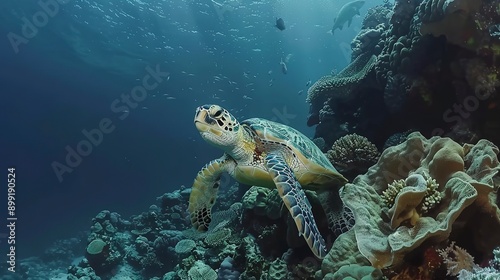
pixel 312 168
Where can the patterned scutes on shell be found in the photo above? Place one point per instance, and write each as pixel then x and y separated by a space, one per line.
pixel 272 131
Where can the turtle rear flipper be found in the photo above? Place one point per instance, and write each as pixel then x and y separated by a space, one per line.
pixel 296 201
pixel 204 191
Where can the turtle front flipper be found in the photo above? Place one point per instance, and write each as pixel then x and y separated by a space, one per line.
pixel 296 201
pixel 204 191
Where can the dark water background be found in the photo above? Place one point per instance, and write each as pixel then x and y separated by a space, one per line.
pixel 65 78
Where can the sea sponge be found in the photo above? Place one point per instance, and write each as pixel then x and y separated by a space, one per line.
pixel 463 175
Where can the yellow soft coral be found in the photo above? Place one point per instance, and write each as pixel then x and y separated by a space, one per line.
pixel 432 195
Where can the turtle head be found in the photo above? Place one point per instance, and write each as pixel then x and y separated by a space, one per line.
pixel 217 126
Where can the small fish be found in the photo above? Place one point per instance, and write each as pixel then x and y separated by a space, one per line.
pixel 284 69
pixel 280 24
pixel 247 97
pixel 308 83
pixel 269 72
pixel 300 92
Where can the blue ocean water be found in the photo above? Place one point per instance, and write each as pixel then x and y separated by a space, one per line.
pixel 83 56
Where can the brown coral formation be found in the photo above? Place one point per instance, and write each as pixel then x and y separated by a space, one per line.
pixel 353 153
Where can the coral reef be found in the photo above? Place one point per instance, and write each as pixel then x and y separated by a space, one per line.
pixel 352 153
pixel 340 86
pixel 433 56
pixel 454 19
pixel 394 221
pixel 456 259
pixel 332 85
pixel 445 186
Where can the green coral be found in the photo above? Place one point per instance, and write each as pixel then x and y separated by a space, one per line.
pixel 185 246
pixel 201 271
pixel 356 271
pixel 277 270
pixel 263 202
pixel 218 237
pixel 96 247
pixel 250 255
pixel 356 71
pixel 143 231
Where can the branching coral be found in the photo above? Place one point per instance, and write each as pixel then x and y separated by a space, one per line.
pixel 431 197
pixel 353 152
pixel 456 259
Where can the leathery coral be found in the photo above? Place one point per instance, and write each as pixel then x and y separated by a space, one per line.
pixel 464 179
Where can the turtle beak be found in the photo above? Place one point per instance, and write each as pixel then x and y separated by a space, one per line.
pixel 199 120
pixel 203 122
pixel 202 127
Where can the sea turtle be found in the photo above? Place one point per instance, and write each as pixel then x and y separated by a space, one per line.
pixel 263 153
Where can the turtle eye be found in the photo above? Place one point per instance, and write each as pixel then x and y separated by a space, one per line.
pixel 218 113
